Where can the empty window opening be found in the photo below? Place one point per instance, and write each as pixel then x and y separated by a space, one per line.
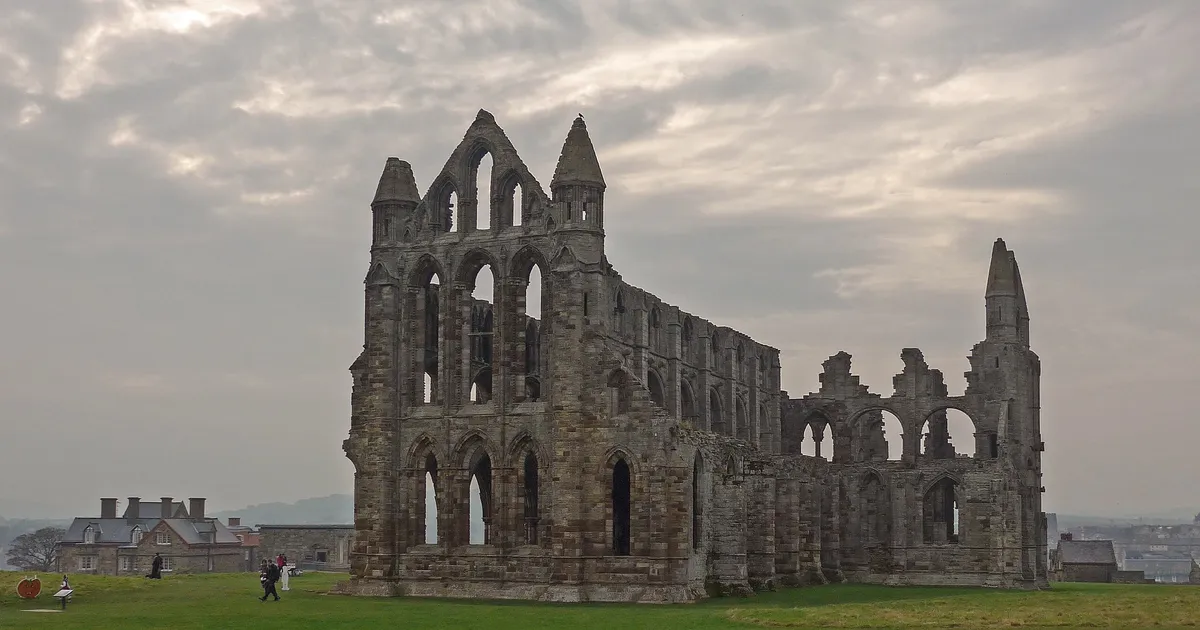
pixel 696 520
pixel 585 304
pixel 431 507
pixel 941 507
pixel 429 388
pixel 656 389
pixel 450 212
pixel 480 509
pixel 531 499
pixel 620 508
pixel 534 318
pixel 715 347
pixel 516 203
pixel 481 336
pixel 483 193
pixel 387 228
pixel 813 437
pixel 430 337
pixel 947 434
pixel 716 417
pixel 879 436
pixel 993 446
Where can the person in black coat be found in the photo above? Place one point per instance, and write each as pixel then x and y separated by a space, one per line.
pixel 268 581
pixel 156 568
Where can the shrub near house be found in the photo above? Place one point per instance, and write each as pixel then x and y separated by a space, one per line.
pixel 183 536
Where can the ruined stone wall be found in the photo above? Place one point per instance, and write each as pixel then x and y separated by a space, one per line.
pixel 616 385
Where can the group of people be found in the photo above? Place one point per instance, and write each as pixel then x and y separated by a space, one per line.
pixel 272 572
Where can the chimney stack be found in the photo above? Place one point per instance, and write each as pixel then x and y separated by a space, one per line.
pixel 108 508
pixel 132 513
pixel 235 521
pixel 1066 536
pixel 168 504
pixel 196 508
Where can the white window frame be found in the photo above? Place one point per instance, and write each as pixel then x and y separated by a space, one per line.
pixel 162 538
pixel 128 563
pixel 89 535
pixel 135 536
pixel 166 565
pixel 87 563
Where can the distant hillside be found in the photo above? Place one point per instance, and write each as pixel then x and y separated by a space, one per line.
pixel 331 510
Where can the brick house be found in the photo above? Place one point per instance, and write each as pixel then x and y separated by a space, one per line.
pixel 187 541
pixel 311 547
pixel 249 539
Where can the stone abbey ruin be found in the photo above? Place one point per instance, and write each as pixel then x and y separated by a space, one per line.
pixel 625 450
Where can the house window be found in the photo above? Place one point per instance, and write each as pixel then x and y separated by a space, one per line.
pixel 127 563
pixel 322 555
pixel 89 536
pixel 167 564
pixel 135 536
pixel 87 563
pixel 241 538
pixel 162 538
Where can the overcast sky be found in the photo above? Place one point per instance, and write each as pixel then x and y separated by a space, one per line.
pixel 185 189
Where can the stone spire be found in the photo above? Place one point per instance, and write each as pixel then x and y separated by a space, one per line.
pixel 578 164
pixel 397 183
pixel 1002 278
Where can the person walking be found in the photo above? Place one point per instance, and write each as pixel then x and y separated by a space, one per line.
pixel 269 580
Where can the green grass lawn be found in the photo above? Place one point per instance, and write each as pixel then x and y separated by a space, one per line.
pixel 229 601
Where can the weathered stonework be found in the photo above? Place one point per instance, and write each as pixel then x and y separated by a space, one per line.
pixel 626 450
pixel 312 547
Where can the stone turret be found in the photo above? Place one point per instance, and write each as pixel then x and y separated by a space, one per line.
pixel 396 198
pixel 578 185
pixel 1007 313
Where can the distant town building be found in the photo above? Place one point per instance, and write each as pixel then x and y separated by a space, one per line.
pixel 311 547
pixel 1164 570
pixel 188 541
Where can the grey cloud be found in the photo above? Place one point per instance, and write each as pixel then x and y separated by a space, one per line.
pixel 187 307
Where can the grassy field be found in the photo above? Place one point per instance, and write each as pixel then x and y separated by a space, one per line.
pixel 229 601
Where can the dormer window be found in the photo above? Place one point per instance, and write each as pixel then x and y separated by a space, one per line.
pixel 135 536
pixel 89 535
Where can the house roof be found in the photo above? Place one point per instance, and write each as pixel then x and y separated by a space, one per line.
pixel 108 530
pixel 120 531
pixel 1086 552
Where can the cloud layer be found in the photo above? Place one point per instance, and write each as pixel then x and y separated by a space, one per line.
pixel 184 220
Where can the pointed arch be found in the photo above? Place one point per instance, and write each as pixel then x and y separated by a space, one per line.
pixel 620 388
pixel 621 477
pixel 654 383
pixel 425 270
pixel 940 510
pixel 874 508
pixel 442 195
pixel 689 412
pixel 741 422
pixel 474 261
pixel 716 413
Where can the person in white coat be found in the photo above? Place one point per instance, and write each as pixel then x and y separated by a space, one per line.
pixel 284 572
